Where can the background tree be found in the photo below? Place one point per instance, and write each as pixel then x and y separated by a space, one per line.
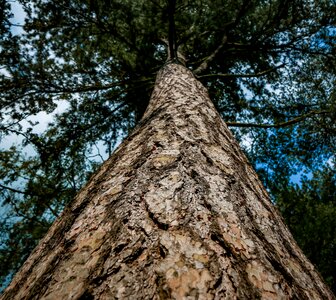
pixel 309 211
pixel 268 65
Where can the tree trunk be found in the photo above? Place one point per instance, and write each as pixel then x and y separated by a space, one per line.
pixel 177 212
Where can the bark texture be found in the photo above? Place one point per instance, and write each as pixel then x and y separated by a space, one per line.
pixel 176 213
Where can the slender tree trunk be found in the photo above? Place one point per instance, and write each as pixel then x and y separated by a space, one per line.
pixel 177 212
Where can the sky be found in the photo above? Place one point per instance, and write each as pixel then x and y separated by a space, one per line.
pixel 18 18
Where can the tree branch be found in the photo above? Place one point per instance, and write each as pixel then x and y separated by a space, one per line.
pixel 278 125
pixel 262 73
pixel 80 89
pixel 77 89
pixel 4 187
pixel 205 64
pixel 19 213
pixel 13 190
pixel 172 53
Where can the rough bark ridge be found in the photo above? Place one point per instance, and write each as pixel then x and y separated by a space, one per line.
pixel 176 213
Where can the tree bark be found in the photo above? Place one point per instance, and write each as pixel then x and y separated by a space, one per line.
pixel 177 212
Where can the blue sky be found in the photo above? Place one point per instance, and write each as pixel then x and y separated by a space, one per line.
pixel 18 17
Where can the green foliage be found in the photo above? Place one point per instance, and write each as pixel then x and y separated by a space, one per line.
pixel 310 210
pixel 90 66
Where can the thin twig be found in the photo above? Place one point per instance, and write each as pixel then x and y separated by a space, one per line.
pixel 14 190
pixel 278 125
pixel 262 73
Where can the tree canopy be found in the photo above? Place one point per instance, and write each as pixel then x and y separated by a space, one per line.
pixel 268 65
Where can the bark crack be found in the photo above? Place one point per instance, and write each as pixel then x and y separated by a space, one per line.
pixel 164 292
pixel 152 216
pixel 216 237
pixel 134 255
pixel 218 282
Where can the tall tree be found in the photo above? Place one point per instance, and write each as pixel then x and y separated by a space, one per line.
pixel 176 212
pixel 268 66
